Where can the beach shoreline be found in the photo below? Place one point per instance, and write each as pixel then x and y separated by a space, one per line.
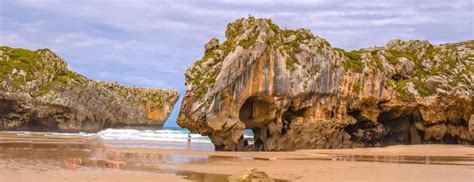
pixel 76 158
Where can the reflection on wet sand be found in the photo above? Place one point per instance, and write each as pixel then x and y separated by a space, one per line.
pixel 41 153
pixel 73 153
pixel 45 153
pixel 444 160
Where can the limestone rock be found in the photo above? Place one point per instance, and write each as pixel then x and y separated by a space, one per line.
pixel 38 92
pixel 250 175
pixel 295 91
pixel 212 44
pixel 435 82
pixel 405 68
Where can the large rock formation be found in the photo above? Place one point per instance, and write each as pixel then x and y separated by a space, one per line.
pixel 295 91
pixel 38 92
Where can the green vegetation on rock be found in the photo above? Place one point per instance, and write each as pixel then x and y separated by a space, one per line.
pixel 64 80
pixel 357 86
pixel 21 60
pixel 396 54
pixel 272 26
pixel 400 85
pixel 43 89
pixel 353 61
pixel 421 88
pixel 201 93
pixel 247 42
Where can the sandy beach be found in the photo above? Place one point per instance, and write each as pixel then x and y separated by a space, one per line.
pixel 42 158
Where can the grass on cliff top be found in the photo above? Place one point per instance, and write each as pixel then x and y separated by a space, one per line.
pixel 249 41
pixel 395 54
pixel 376 59
pixel 62 81
pixel 155 97
pixel 234 29
pixel 207 55
pixel 27 61
pixel 21 59
pixel 354 62
pixel 272 26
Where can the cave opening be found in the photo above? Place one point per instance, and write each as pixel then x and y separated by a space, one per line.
pixel 363 132
pixel 399 127
pixel 289 116
pixel 391 128
pixel 246 113
pixel 42 124
pixel 449 139
pixel 7 106
pixel 255 113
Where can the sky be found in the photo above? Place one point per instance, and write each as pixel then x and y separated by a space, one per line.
pixel 151 43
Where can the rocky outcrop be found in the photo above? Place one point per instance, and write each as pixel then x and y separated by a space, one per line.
pixel 295 91
pixel 38 92
pixel 250 175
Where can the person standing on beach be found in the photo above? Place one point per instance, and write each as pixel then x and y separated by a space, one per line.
pixel 189 141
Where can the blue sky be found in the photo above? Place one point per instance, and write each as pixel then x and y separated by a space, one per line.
pixel 151 43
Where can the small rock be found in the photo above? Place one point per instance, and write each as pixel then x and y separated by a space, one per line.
pixel 434 82
pixel 22 73
pixel 410 88
pixel 250 175
pixel 436 132
pixel 441 91
pixel 426 64
pixel 290 39
pixel 405 68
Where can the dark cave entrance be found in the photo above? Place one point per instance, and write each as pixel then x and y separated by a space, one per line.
pixel 246 114
pixel 7 106
pixel 364 131
pixel 43 124
pixel 400 128
pixel 259 116
pixel 392 127
pixel 255 113
pixel 289 116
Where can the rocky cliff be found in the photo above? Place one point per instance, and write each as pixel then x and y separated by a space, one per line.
pixel 38 92
pixel 295 91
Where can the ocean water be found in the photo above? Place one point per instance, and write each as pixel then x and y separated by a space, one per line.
pixel 165 138
pixel 164 135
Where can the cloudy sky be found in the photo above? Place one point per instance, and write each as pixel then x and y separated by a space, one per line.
pixel 151 43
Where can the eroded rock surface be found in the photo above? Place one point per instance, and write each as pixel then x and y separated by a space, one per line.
pixel 38 92
pixel 295 91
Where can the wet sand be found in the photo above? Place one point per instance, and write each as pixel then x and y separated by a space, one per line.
pixel 80 176
pixel 71 158
pixel 389 165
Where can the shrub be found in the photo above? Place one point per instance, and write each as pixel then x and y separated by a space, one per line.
pixel 356 87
